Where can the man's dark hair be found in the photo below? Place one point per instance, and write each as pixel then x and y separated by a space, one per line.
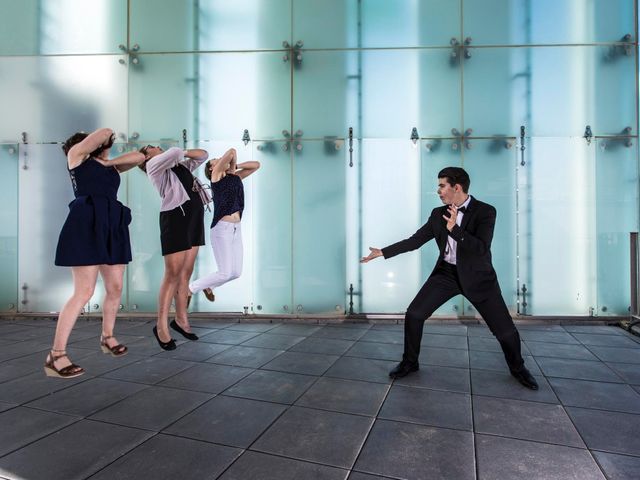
pixel 456 175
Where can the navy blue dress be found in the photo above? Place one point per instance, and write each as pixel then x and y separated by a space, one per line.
pixel 96 231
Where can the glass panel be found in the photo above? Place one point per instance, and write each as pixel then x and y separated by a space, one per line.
pixel 491 165
pixel 44 198
pixel 258 100
pixel 547 21
pixel 272 241
pixel 50 104
pixel 319 227
pixel 244 24
pixel 9 228
pixel 62 27
pixel 397 90
pixel 163 25
pixel 391 211
pixel 163 90
pixel 552 91
pixel 375 23
pixel 616 216
pixel 556 225
pixel 437 154
pixel 235 295
pixel 145 272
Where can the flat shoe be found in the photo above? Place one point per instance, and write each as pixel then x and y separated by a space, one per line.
pixel 182 331
pixel 170 345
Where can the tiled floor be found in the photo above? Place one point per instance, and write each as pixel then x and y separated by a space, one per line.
pixel 310 401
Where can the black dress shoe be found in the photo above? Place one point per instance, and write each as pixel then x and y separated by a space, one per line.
pixel 525 378
pixel 403 369
pixel 170 345
pixel 182 331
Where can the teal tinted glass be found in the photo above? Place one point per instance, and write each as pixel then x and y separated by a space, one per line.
pixel 553 91
pixel 9 228
pixel 272 240
pixel 33 27
pixel 557 226
pixel 319 227
pixel 243 91
pixel 163 26
pixel 547 21
pixel 49 104
pixel 163 91
pixel 616 215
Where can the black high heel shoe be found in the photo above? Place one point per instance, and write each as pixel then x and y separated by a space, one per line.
pixel 170 345
pixel 183 332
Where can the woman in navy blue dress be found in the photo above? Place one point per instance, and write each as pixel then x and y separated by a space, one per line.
pixel 94 240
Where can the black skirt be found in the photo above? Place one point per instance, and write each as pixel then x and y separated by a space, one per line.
pixel 182 227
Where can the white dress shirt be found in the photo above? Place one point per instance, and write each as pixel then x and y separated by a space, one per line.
pixel 450 249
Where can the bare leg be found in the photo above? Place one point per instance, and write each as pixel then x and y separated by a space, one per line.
pixel 112 276
pixel 84 283
pixel 183 289
pixel 173 264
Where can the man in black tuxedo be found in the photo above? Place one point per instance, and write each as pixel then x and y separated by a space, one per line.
pixel 463 230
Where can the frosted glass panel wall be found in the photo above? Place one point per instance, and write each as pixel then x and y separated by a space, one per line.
pixel 421 84
pixel 9 227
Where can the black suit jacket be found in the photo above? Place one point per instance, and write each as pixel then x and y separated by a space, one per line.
pixel 473 253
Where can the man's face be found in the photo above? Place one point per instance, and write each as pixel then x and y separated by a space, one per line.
pixel 445 191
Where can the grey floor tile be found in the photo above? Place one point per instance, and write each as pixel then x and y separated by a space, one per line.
pixel 297 362
pixel 346 396
pixel 543 326
pixel 28 347
pixel 240 356
pixel 97 363
pixel 428 407
pixel 495 361
pixel 548 337
pixel 30 333
pixel 479 331
pixel 268 340
pixel 404 450
pixel 196 351
pixel 207 377
pixel 340 333
pixel 257 327
pixel 524 420
pixel 618 467
pixel 364 476
pixel 323 437
pixel 494 384
pixel 35 385
pixel 6 406
pixel 577 369
pixel 490 344
pixel 439 378
pixel 354 368
pixel 377 351
pixel 612 432
pixel 153 408
pixel 327 346
pixel 383 336
pixel 150 370
pixel 228 420
pixel 75 452
pixel 599 329
pixel 629 372
pixel 444 357
pixel 544 349
pixel 21 426
pixel 87 397
pixel 434 327
pixel 10 370
pixel 600 395
pixel 164 456
pixel 36 360
pixel 617 354
pixel 612 340
pixel 270 386
pixel 295 329
pixel 501 458
pixel 269 467
pixel 444 341
pixel 228 337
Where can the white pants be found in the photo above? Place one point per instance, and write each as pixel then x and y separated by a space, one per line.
pixel 226 241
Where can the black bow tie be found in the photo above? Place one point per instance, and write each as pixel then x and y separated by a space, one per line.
pixel 462 209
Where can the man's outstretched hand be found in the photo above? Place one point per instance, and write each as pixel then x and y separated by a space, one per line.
pixel 374 253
